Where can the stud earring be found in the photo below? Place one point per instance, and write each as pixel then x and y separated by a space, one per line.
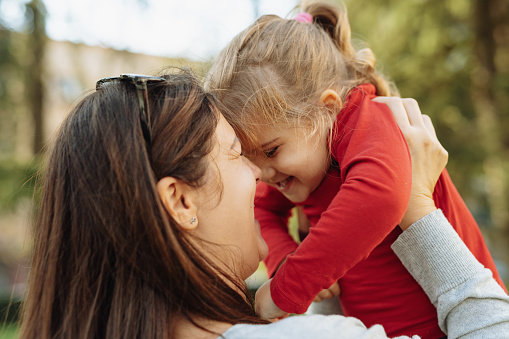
pixel 193 220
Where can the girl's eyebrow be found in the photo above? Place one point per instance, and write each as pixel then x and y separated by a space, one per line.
pixel 270 142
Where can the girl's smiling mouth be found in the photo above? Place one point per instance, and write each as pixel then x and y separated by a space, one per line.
pixel 284 185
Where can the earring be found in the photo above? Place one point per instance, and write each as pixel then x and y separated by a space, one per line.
pixel 193 220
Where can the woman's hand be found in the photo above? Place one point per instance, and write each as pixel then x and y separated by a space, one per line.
pixel 265 307
pixel 428 156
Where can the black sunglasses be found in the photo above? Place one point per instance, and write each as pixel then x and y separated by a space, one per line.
pixel 140 81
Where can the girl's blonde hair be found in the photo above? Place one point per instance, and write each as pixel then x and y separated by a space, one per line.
pixel 274 71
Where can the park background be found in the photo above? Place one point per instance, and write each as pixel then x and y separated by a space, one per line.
pixel 450 55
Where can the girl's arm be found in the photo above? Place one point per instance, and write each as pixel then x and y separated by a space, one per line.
pixel 272 210
pixel 470 303
pixel 375 169
pixel 428 156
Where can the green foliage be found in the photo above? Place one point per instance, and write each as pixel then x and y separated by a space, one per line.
pixel 9 332
pixel 9 311
pixel 12 57
pixel 427 48
pixel 17 181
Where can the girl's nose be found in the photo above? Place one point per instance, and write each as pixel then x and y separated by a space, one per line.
pixel 268 173
pixel 257 172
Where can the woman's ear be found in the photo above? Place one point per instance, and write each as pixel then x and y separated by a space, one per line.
pixel 330 100
pixel 180 201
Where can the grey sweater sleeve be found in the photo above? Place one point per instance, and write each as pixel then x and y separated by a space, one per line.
pixel 469 301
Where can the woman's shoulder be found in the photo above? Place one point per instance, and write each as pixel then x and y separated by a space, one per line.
pixel 307 326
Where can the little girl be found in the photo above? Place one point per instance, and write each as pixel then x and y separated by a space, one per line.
pixel 300 98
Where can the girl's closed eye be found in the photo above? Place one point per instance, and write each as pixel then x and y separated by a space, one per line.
pixel 270 153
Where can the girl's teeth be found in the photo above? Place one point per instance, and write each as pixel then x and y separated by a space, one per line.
pixel 283 183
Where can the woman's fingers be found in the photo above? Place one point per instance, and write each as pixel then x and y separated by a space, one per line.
pixel 429 127
pixel 406 111
pixel 397 109
pixel 412 111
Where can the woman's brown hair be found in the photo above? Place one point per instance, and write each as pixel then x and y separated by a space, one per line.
pixel 108 261
pixel 275 70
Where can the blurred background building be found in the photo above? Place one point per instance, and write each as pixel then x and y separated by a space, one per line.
pixel 450 55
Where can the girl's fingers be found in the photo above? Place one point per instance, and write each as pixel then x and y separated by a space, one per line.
pixel 325 294
pixel 335 289
pixel 318 298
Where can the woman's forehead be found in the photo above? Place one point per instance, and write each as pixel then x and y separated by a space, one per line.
pixel 225 135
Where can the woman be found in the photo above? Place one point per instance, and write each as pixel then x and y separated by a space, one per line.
pixel 146 227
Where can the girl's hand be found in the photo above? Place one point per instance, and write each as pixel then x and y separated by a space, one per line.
pixel 265 307
pixel 428 156
pixel 331 292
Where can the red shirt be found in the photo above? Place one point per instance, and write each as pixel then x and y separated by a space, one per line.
pixel 353 214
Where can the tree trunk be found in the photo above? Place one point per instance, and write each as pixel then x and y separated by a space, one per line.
pixel 489 121
pixel 35 90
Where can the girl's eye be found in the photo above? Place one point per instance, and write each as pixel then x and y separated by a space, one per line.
pixel 271 152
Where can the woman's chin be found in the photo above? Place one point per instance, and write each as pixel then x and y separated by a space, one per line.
pixel 263 249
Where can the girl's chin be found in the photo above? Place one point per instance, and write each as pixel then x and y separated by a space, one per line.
pixel 296 197
pixel 287 186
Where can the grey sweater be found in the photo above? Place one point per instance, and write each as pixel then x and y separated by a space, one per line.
pixel 469 302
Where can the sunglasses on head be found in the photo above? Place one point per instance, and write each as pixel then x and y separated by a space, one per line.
pixel 140 81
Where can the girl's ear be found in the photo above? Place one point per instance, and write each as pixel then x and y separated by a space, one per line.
pixel 180 201
pixel 330 100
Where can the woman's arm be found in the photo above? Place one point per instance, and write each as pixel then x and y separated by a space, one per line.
pixel 470 303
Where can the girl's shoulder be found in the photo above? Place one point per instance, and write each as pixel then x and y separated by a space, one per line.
pixel 359 102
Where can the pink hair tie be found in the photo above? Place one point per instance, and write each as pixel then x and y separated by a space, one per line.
pixel 304 17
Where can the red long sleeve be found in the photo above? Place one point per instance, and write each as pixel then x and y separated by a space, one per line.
pixel 272 211
pixel 375 171
pixel 350 212
pixel 448 199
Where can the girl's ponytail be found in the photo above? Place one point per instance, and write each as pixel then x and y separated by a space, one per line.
pixel 334 21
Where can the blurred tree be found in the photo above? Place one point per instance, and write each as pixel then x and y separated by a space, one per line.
pixel 11 86
pixel 21 103
pixel 35 13
pixel 21 88
pixel 490 18
pixel 453 57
